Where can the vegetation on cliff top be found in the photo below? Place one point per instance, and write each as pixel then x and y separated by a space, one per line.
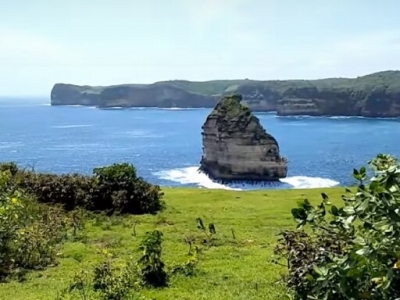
pixel 374 95
pixel 233 116
pixel 388 79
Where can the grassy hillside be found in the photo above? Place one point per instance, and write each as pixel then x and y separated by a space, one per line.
pixel 236 268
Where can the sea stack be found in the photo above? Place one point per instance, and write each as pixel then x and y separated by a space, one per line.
pixel 237 148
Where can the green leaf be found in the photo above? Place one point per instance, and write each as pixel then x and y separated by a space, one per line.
pixel 356 174
pixel 299 213
pixel 349 220
pixel 360 241
pixel 320 270
pixel 310 217
pixel 334 210
pixel 363 251
pixel 309 278
pixel 349 210
pixel 363 206
pixel 363 172
pixel 325 198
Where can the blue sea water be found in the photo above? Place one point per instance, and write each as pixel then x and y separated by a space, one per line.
pixel 165 144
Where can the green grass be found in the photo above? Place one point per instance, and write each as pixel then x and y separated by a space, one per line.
pixel 235 269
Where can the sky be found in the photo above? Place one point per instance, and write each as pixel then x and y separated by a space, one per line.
pixel 105 42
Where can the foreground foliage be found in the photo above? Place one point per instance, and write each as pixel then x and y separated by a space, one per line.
pixel 115 188
pixel 30 234
pixel 352 251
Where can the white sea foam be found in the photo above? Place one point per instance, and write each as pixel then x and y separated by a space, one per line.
pixel 305 182
pixel 191 175
pixel 71 126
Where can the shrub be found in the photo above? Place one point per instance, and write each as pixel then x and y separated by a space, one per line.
pixel 111 283
pixel 69 190
pixel 352 251
pixel 118 188
pixel 9 166
pixel 29 233
pixel 106 281
pixel 115 188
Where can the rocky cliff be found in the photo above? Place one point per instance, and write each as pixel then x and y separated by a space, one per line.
pixel 374 95
pixel 155 95
pixel 237 148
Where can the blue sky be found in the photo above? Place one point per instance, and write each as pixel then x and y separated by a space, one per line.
pixel 98 42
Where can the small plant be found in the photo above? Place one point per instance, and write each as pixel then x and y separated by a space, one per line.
pixel 188 268
pixel 233 234
pixel 106 283
pixel 190 240
pixel 77 217
pixel 79 288
pixel 151 265
pixel 210 233
pixel 111 283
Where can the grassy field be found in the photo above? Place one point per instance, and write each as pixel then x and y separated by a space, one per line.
pixel 237 268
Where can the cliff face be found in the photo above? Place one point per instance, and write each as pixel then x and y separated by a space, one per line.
pixel 68 94
pixel 155 95
pixel 237 148
pixel 374 95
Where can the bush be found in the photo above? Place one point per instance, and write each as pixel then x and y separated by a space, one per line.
pixel 352 251
pixel 71 191
pixel 29 233
pixel 115 188
pixel 118 187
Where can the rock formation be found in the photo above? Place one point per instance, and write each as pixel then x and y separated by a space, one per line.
pixel 237 148
pixel 374 95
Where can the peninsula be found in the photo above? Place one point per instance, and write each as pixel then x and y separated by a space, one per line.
pixel 237 148
pixel 374 95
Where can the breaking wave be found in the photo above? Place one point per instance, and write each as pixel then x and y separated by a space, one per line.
pixel 191 175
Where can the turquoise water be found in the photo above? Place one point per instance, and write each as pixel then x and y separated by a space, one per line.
pixel 165 144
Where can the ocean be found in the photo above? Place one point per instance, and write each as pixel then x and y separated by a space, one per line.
pixel 165 144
